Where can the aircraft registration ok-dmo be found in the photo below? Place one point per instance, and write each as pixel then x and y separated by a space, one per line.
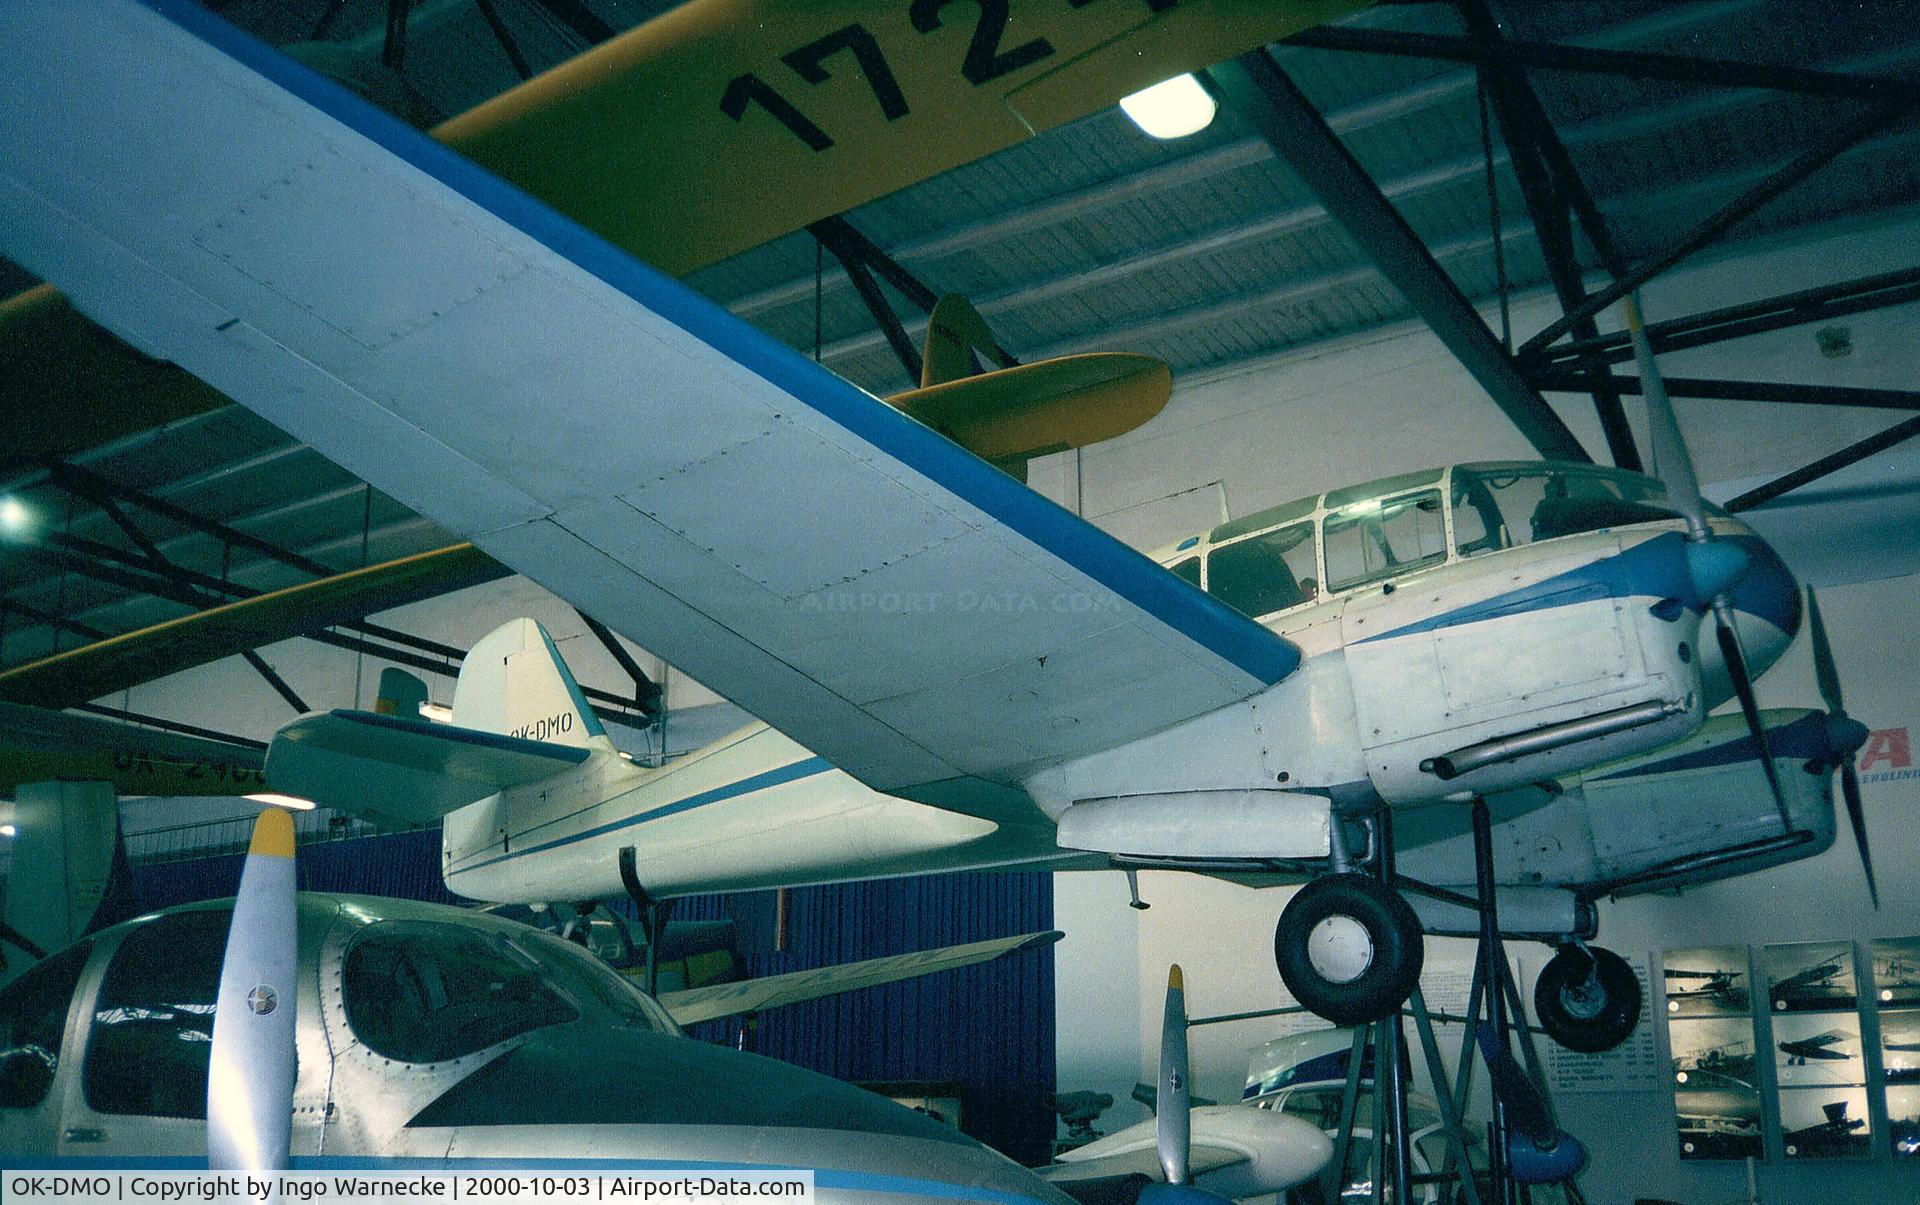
pixel 956 671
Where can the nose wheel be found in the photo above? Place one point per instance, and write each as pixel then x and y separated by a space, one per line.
pixel 1349 948
pixel 1587 998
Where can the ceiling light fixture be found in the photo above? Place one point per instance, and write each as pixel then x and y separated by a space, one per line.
pixel 1172 108
pixel 290 802
pixel 15 518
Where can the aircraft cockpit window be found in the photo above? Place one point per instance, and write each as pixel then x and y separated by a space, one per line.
pixel 1188 569
pixel 1381 538
pixel 586 977
pixel 422 992
pixel 1265 573
pixel 33 1019
pixel 153 1021
pixel 1504 509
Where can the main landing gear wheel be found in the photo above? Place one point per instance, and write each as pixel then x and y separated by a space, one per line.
pixel 1587 1000
pixel 1349 948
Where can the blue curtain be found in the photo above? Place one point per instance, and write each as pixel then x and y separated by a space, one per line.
pixel 989 1029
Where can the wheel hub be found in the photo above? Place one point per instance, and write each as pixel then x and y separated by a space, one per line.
pixel 1340 949
pixel 1585 1001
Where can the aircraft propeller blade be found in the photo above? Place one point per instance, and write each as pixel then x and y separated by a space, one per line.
pixel 1714 572
pixel 1735 659
pixel 1672 463
pixel 1173 1116
pixel 250 1073
pixel 1838 720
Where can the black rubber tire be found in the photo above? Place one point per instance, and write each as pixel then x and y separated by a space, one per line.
pixel 1608 1025
pixel 1399 948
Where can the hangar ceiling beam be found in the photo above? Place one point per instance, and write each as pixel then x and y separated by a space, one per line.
pixel 1263 95
pixel 583 21
pixel 1553 189
pixel 88 483
pixel 1673 68
pixel 504 36
pixel 1713 226
pixel 1751 318
pixel 646 692
pixel 862 258
pixel 1851 454
pixel 1742 391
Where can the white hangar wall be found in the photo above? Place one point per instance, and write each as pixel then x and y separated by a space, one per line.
pixel 1257 434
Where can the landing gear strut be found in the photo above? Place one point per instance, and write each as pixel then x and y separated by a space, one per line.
pixel 1349 948
pixel 1587 998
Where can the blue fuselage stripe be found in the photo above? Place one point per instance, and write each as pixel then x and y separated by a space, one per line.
pixel 1653 568
pixel 1184 608
pixel 791 772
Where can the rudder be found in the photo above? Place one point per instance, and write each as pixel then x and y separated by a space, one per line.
pixel 514 682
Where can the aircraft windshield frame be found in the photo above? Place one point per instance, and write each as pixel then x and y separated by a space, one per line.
pixel 431 991
pixel 1487 506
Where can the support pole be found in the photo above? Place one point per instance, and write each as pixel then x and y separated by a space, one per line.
pixel 1390 1075
pixel 1492 972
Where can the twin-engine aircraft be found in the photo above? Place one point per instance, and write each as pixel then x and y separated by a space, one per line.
pixel 317 1031
pixel 955 670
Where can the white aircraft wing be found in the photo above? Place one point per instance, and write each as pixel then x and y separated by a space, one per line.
pixel 697 1004
pixel 1236 1151
pixel 879 594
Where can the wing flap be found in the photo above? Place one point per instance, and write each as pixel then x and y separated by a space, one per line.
pixel 409 771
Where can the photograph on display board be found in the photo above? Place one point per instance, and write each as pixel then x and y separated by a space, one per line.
pixel 1709 982
pixel 1816 1049
pixel 1900 1046
pixel 1823 1123
pixel 1903 1121
pixel 1721 1046
pixel 1896 972
pixel 1813 976
pixel 1716 1105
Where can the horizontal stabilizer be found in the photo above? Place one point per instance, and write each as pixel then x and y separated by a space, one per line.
pixel 404 771
pixel 699 1004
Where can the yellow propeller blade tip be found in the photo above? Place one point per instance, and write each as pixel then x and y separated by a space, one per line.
pixel 1175 980
pixel 273 834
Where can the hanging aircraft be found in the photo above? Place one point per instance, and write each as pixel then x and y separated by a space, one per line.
pixel 746 121
pixel 966 653
pixel 274 1029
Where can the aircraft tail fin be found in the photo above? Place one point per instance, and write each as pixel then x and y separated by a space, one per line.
pixel 515 683
pixel 955 331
